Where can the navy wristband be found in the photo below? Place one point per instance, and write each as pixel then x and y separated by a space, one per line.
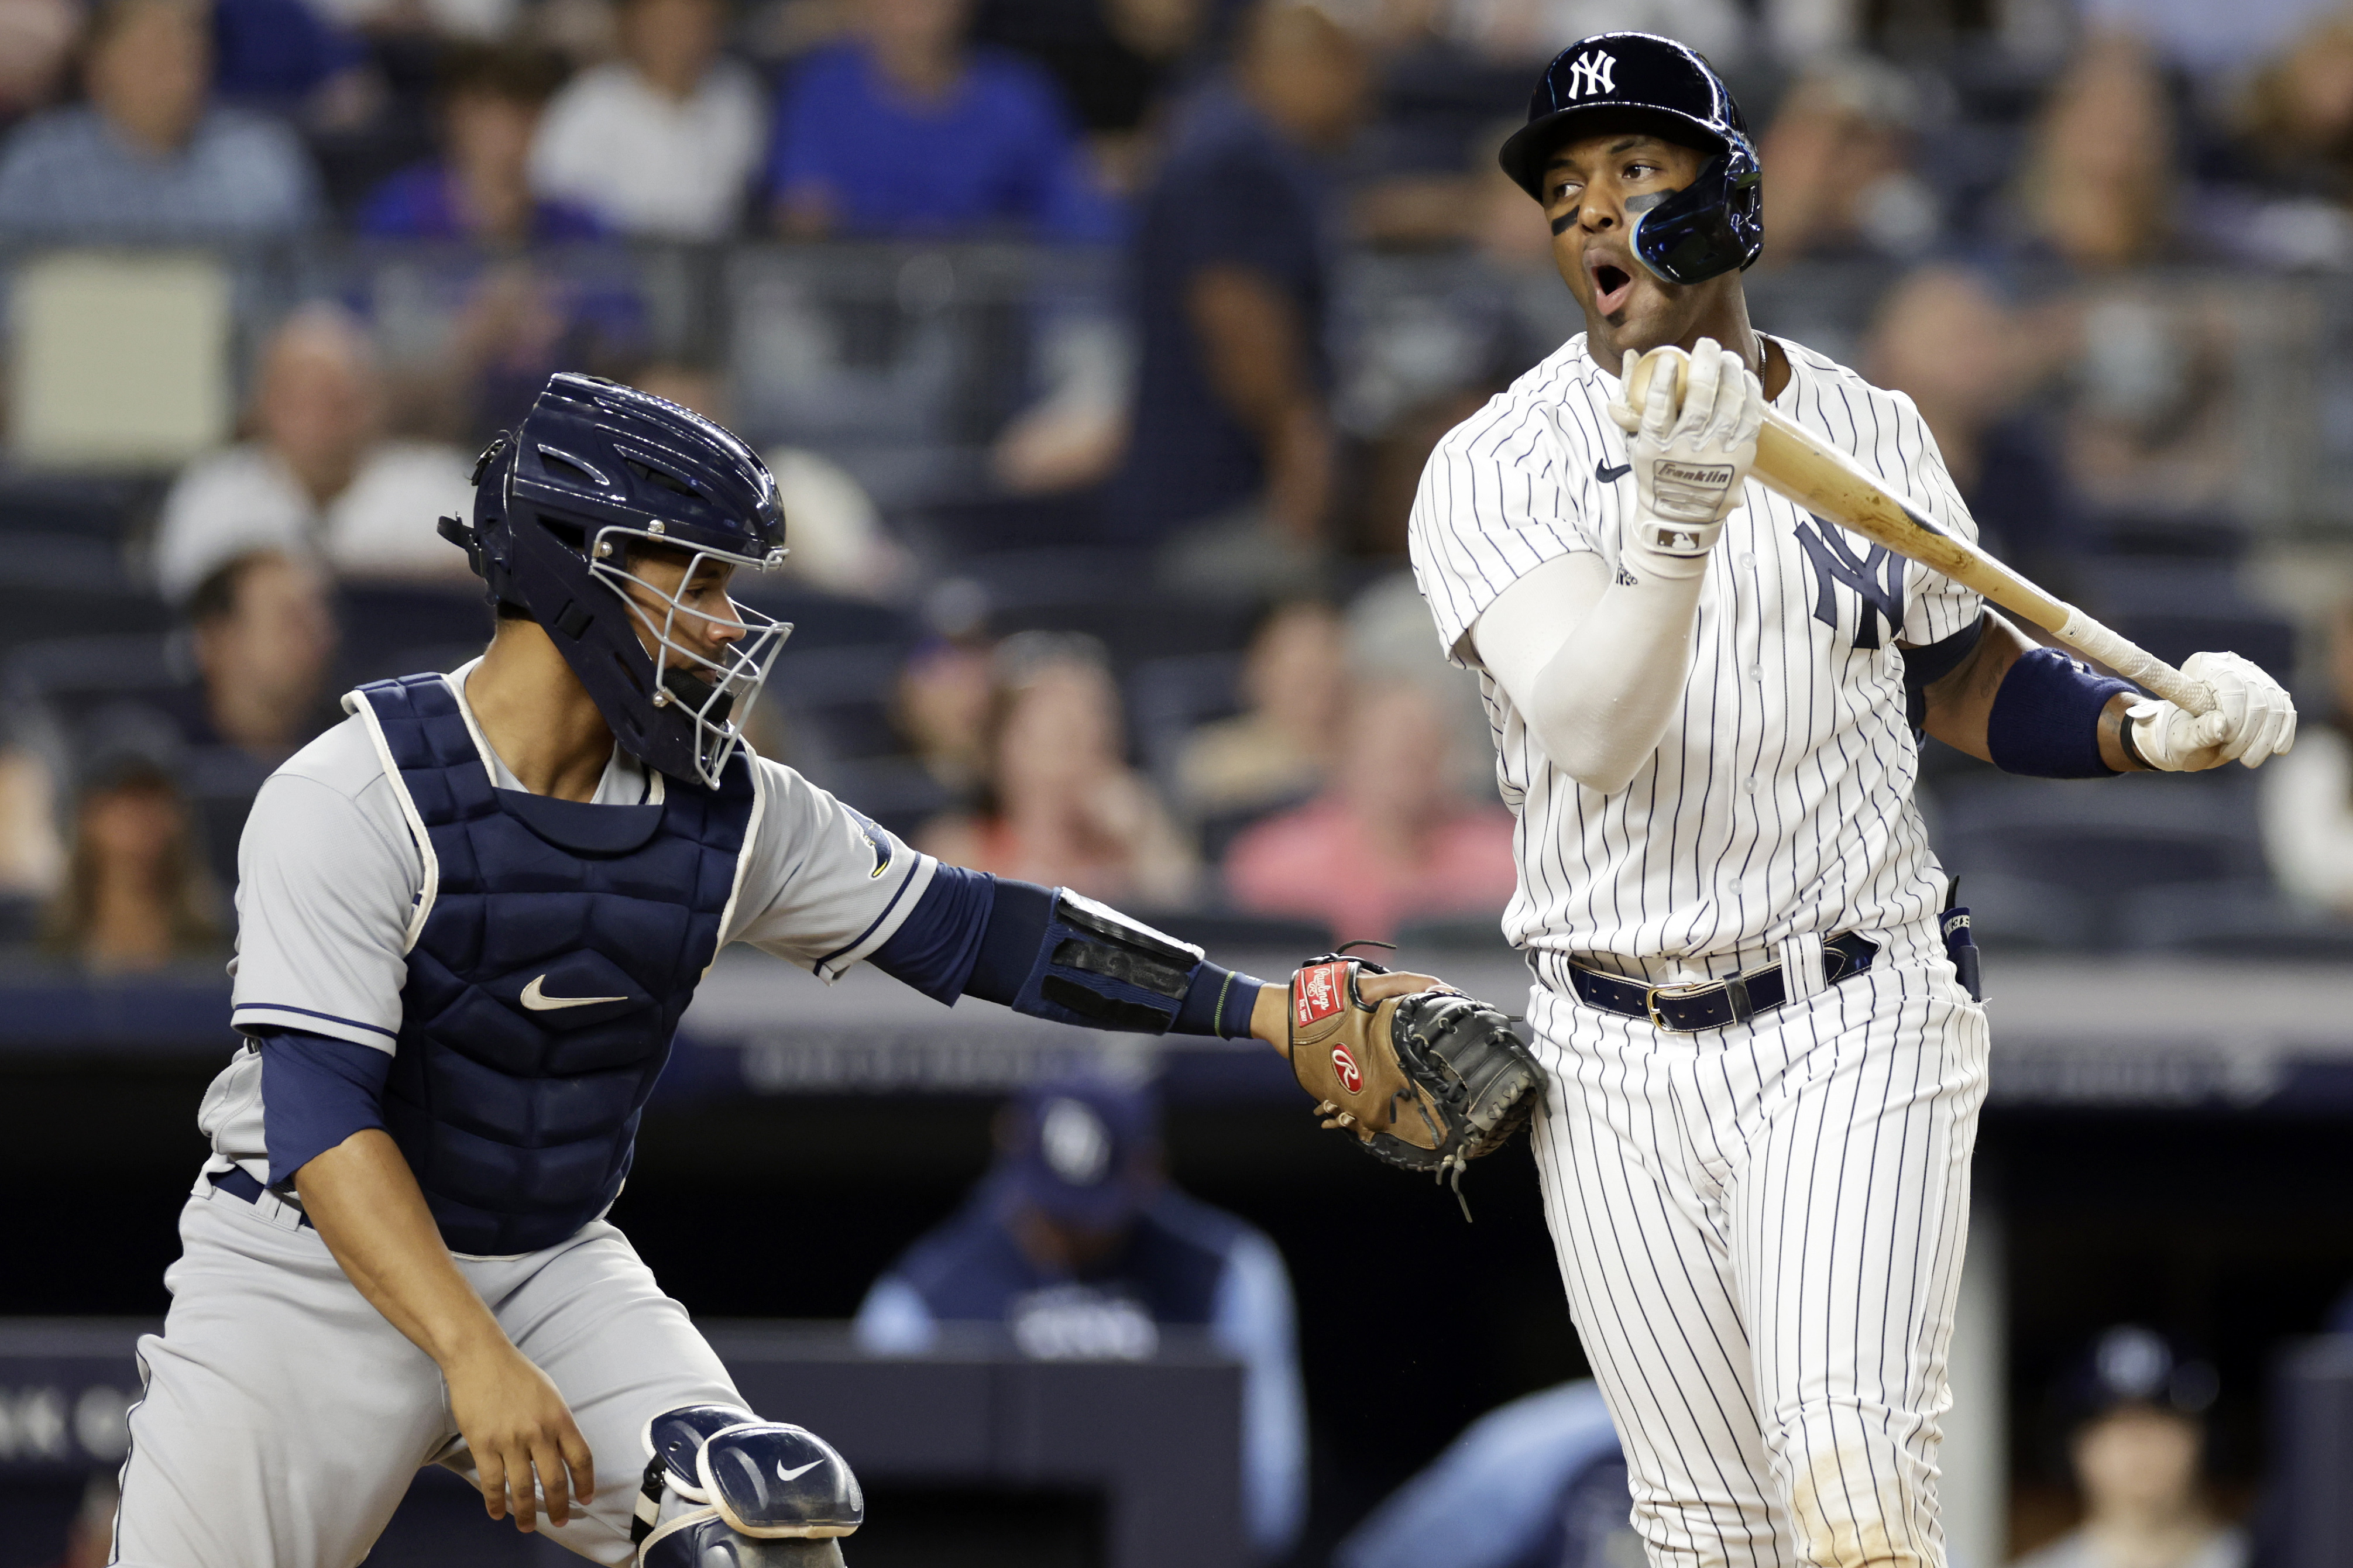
pixel 2045 722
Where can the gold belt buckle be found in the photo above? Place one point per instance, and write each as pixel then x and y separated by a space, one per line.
pixel 1650 995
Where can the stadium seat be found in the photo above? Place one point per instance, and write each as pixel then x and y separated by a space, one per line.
pixel 1168 698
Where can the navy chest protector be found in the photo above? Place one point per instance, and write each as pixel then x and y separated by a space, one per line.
pixel 559 944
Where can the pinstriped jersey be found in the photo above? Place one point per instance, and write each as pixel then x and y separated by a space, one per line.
pixel 1780 799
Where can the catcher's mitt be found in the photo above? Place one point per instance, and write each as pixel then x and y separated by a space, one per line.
pixel 1429 1081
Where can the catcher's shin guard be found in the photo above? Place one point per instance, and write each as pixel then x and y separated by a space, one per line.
pixel 724 1490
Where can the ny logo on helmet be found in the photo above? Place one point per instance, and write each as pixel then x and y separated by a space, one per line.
pixel 1589 74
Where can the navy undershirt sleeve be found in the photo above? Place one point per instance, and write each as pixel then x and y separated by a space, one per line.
pixel 972 934
pixel 316 1092
pixel 1924 667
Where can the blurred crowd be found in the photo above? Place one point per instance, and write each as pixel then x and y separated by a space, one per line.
pixel 1153 640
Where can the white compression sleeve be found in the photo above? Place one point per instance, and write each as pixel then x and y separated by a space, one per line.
pixel 1594 666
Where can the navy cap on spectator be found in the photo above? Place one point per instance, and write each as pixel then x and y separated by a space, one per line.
pixel 2132 1365
pixel 1084 1150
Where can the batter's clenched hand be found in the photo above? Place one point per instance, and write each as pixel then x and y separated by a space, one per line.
pixel 2253 718
pixel 1689 463
pixel 517 1425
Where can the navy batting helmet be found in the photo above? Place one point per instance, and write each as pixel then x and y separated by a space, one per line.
pixel 596 470
pixel 1710 226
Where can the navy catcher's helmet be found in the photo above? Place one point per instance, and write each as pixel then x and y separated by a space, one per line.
pixel 1710 226
pixel 596 470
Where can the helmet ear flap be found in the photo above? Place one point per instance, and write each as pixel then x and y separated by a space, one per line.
pixel 1707 228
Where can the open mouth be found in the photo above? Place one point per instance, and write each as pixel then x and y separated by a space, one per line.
pixel 1612 284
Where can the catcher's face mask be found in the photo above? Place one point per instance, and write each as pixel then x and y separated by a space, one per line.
pixel 711 655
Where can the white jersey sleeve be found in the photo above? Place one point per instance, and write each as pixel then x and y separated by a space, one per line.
pixel 1510 487
pixel 823 885
pixel 327 875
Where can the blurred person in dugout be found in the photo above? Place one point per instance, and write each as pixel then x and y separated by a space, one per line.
pixel 1538 1483
pixel 840 543
pixel 1076 1245
pixel 89 1538
pixel 150 155
pixel 660 143
pixel 1280 748
pixel 316 475
pixel 1227 470
pixel 491 99
pixel 2135 1413
pixel 2307 797
pixel 862 124
pixel 1392 838
pixel 135 896
pixel 1059 804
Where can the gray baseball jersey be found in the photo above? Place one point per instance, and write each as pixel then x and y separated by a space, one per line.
pixel 283 1417
pixel 329 875
pixel 1760 1226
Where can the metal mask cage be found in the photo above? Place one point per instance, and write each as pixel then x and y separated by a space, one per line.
pixel 714 694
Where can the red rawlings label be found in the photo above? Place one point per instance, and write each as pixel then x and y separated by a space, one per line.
pixel 1316 993
pixel 1346 1067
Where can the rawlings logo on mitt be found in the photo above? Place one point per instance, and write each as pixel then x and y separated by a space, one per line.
pixel 1429 1081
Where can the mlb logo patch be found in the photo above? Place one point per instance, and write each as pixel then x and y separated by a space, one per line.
pixel 1316 993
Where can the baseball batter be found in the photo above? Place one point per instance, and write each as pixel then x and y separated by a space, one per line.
pixel 1766 1073
pixel 469 918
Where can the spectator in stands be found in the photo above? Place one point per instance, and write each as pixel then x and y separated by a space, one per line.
pixel 150 156
pixel 1391 839
pixel 1077 1246
pixel 37 40
pixel 317 478
pixel 492 96
pixel 1114 61
pixel 864 127
pixel 940 707
pixel 2308 796
pixel 1538 1483
pixel 1840 153
pixel 836 539
pixel 1944 337
pixel 135 894
pixel 263 632
pixel 292 59
pixel 2095 189
pixel 1276 750
pixel 661 143
pixel 1231 438
pixel 2136 1443
pixel 2295 118
pixel 1061 806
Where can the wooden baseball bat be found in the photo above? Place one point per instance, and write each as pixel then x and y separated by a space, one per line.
pixel 1794 462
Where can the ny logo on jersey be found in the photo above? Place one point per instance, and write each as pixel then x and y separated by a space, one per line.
pixel 1877 575
pixel 1590 74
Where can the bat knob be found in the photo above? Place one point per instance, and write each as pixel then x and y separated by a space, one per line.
pixel 1670 359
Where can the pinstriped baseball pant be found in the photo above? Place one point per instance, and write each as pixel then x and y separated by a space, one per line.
pixel 1760 1229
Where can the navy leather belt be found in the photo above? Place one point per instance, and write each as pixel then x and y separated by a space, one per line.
pixel 237 1183
pixel 1713 1004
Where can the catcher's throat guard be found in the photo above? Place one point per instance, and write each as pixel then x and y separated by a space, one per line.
pixel 1428 1083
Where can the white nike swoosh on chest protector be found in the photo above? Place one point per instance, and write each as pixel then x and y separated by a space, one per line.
pixel 539 1001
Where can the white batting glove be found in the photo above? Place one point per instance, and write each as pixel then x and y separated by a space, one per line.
pixel 2253 719
pixel 1689 463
